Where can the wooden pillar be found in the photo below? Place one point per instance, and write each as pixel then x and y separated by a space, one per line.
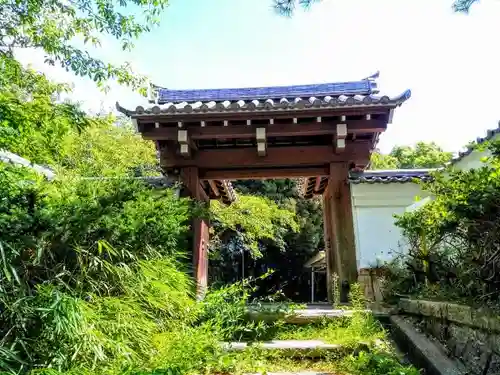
pixel 347 244
pixel 329 244
pixel 342 226
pixel 200 255
pixel 201 230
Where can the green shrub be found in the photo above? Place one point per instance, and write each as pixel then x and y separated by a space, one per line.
pixel 45 326
pixel 454 238
pixel 225 310
pixel 164 290
pixel 377 363
pixel 51 328
pixel 86 269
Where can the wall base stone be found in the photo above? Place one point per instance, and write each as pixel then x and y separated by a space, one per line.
pixel 470 336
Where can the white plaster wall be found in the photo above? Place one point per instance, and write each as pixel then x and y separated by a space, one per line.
pixel 473 160
pixel 377 238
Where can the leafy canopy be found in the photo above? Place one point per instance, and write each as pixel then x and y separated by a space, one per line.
pixel 422 155
pixel 66 29
pixel 255 218
pixel 35 125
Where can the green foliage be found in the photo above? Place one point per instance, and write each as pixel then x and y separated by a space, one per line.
pixel 348 332
pixel 65 31
pixel 103 149
pixel 288 7
pixel 226 310
pixel 86 268
pixel 51 328
pixel 67 251
pixel 34 125
pixel 377 363
pixel 454 239
pixel 383 161
pixel 286 254
pixel 255 219
pixel 59 228
pixel 422 155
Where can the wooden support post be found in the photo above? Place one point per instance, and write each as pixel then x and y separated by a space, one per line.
pixel 330 244
pixel 343 228
pixel 200 255
pixel 201 231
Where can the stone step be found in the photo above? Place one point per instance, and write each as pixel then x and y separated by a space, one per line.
pixel 284 345
pixel 295 348
pixel 300 316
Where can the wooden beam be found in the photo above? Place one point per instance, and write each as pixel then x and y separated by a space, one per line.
pixel 214 188
pixel 263 173
pixel 276 130
pixel 298 156
pixel 317 183
pixel 191 181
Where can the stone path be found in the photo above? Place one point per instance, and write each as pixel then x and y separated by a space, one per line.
pixel 285 345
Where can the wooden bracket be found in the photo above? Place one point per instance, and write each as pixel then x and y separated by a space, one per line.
pixel 214 188
pixel 260 135
pixel 183 139
pixel 340 136
pixel 185 143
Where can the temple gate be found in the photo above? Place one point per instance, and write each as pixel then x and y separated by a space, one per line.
pixel 316 132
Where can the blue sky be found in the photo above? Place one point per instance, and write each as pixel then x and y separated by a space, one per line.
pixel 449 61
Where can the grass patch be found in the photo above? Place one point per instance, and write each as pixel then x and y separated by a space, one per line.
pixel 344 331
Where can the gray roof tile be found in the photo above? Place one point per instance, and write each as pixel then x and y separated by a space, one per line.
pixel 364 87
pixel 328 95
pixel 269 105
pixel 489 135
pixel 390 176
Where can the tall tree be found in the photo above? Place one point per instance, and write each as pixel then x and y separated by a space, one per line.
pixel 34 125
pixel 422 155
pixel 288 7
pixel 65 30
